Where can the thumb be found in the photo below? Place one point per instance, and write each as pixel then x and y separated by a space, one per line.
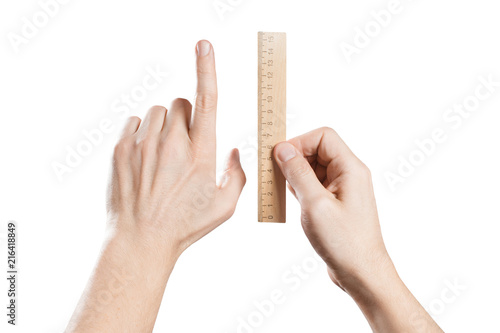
pixel 298 172
pixel 230 187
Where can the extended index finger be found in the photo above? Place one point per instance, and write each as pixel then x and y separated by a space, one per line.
pixel 202 130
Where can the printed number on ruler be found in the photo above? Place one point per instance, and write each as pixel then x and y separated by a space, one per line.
pixel 272 124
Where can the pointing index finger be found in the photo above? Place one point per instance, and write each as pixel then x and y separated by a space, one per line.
pixel 203 124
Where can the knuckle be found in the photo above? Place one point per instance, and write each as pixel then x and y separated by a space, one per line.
pixel 320 204
pixel 182 102
pixel 329 133
pixel 157 110
pixel 134 119
pixel 122 149
pixel 328 130
pixel 206 102
pixel 204 70
pixel 362 172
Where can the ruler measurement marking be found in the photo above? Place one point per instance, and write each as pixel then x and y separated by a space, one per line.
pixel 272 123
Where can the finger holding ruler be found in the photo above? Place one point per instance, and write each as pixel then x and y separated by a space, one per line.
pixel 272 124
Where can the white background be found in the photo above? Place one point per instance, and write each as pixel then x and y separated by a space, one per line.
pixel 441 224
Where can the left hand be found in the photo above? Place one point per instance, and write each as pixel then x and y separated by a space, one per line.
pixel 163 189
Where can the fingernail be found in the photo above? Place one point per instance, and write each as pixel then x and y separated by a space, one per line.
pixel 286 152
pixel 203 48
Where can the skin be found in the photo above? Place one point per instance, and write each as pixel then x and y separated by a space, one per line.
pixel 163 197
pixel 339 216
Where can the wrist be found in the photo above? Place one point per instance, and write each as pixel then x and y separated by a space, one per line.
pixel 370 279
pixel 386 302
pixel 145 242
pixel 129 271
pixel 143 251
pixel 375 288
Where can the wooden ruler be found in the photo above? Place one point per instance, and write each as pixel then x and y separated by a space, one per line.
pixel 272 124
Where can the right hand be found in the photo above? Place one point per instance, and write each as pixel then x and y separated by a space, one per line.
pixel 339 214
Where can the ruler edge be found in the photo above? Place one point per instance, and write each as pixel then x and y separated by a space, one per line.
pixel 260 34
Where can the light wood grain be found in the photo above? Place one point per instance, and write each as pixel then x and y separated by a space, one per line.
pixel 272 124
